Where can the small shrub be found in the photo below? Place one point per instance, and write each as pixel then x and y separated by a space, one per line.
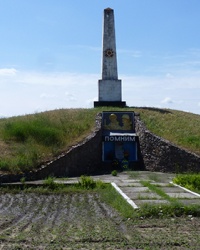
pixel 86 182
pixel 50 183
pixel 114 173
pixel 100 184
pixel 23 180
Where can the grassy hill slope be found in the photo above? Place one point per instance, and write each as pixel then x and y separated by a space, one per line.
pixel 27 141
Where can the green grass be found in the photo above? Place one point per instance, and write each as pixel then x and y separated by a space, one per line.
pixel 167 210
pixel 114 199
pixel 179 127
pixel 189 181
pixel 27 141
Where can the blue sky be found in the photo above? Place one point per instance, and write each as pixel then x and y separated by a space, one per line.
pixel 50 53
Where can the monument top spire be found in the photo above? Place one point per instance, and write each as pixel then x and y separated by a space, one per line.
pixel 109 85
pixel 109 57
pixel 108 9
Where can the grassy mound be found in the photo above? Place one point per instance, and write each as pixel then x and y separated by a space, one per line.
pixel 27 141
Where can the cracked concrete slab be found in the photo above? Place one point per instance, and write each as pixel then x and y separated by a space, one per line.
pixel 184 195
pixel 141 202
pixel 144 196
pixel 172 190
pixel 135 189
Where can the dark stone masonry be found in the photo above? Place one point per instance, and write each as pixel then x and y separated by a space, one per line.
pixel 161 155
pixel 156 154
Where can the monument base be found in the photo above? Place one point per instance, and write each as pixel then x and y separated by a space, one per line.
pixel 119 104
pixel 110 90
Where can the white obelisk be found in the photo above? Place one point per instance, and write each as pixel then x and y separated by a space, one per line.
pixel 109 87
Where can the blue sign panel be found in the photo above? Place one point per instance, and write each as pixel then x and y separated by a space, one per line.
pixel 119 141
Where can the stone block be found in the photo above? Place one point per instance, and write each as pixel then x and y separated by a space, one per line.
pixel 110 90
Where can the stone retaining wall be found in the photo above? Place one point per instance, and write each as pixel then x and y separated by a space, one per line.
pixel 161 155
pixel 84 158
pixel 155 154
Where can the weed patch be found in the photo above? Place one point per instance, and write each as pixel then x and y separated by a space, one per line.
pixel 86 182
pixel 167 210
pixel 189 181
pixel 50 183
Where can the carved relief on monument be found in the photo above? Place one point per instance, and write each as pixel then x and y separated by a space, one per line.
pixel 109 53
pixel 118 121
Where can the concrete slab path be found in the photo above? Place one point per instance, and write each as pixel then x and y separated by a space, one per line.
pixel 129 185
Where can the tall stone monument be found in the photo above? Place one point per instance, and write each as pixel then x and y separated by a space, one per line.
pixel 109 87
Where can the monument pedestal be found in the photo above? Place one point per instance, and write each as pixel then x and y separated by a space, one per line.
pixel 110 94
pixel 110 90
pixel 110 104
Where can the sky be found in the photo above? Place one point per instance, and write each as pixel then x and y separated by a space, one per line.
pixel 50 53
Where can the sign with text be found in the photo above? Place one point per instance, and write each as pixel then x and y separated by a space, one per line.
pixel 119 141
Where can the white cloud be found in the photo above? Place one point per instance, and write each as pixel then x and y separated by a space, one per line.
pixel 8 72
pixel 167 100
pixel 70 97
pixel 45 95
pixel 28 92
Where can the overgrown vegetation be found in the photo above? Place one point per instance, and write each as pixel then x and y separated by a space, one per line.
pixel 51 184
pixel 27 141
pixel 181 128
pixel 174 209
pixel 189 181
pixel 86 182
